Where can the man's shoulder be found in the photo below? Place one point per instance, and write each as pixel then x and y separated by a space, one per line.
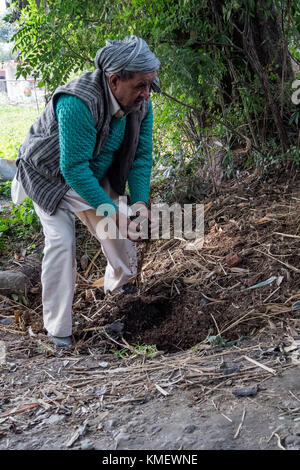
pixel 89 79
pixel 89 84
pixel 89 88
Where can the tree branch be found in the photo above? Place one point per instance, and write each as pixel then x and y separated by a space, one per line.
pixel 194 108
pixel 86 59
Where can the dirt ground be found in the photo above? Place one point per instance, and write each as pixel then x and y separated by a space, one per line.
pixel 182 418
pixel 225 322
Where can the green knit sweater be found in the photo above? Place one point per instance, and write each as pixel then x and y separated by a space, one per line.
pixel 77 139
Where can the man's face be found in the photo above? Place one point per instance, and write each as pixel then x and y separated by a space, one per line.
pixel 131 93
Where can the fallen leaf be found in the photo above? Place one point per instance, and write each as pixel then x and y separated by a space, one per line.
pixel 99 282
pixel 84 262
pixel 264 283
pixel 233 260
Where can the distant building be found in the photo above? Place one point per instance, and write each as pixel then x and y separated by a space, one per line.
pixel 3 86
pixel 17 90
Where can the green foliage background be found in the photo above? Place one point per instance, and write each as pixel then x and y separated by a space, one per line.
pixel 206 64
pixel 7 30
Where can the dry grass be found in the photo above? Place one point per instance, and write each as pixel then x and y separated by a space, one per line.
pixel 262 229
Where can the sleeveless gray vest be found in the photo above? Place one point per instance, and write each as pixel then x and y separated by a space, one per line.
pixel 38 157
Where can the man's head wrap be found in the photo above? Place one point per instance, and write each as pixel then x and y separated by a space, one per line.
pixel 131 54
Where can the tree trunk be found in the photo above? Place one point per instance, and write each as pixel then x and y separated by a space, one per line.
pixel 263 45
pixel 21 280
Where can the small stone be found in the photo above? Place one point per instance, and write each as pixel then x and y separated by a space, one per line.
pixel 55 419
pixel 111 423
pixel 134 423
pixel 35 443
pixel 7 320
pixel 87 444
pixel 103 364
pixel 155 428
pixel 130 408
pixel 290 404
pixel 292 441
pixel 126 398
pixel 246 392
pixel 297 429
pixel 100 392
pixel 39 418
pixel 124 429
pixel 188 443
pixel 189 429
pixel 233 260
pixel 84 261
pixel 122 439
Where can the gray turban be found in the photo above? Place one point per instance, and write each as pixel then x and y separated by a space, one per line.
pixel 131 54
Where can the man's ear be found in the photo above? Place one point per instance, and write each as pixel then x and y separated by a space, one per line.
pixel 113 81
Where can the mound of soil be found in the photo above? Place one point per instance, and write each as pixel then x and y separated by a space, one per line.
pixel 252 236
pixel 172 325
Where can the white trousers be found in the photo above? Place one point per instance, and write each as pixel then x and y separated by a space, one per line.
pixel 59 262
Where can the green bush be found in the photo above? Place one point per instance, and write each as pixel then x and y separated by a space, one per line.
pixel 17 220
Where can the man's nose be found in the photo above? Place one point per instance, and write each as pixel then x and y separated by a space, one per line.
pixel 146 93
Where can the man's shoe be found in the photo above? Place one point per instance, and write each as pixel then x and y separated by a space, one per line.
pixel 125 289
pixel 61 342
pixel 128 289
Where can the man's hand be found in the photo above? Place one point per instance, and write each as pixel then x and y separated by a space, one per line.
pixel 127 227
pixel 144 217
pixel 137 227
pixel 153 224
pixel 144 211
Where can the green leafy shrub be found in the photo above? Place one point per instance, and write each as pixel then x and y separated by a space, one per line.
pixel 18 221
